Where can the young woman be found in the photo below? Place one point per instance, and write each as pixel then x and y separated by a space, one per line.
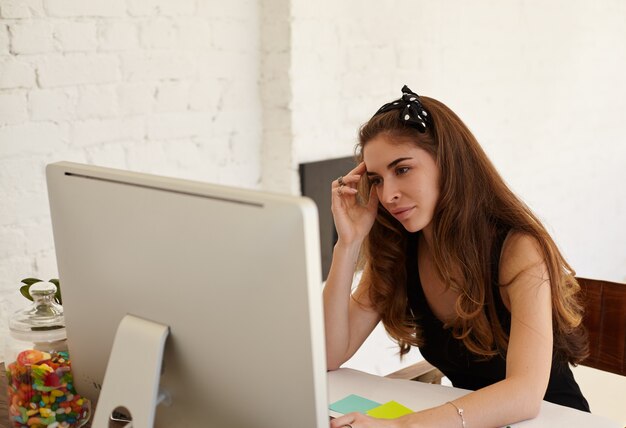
pixel 455 264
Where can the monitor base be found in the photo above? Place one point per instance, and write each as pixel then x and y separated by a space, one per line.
pixel 133 372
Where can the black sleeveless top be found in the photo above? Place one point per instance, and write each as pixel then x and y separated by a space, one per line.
pixel 464 369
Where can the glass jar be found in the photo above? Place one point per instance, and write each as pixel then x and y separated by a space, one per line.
pixel 40 389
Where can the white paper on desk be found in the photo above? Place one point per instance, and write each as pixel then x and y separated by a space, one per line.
pixel 419 396
pixel 334 414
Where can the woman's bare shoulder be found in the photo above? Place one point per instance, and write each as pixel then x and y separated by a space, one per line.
pixel 521 254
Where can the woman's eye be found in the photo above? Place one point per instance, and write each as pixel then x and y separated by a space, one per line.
pixel 375 181
pixel 402 170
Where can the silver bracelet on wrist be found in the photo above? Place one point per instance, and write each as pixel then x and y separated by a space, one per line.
pixel 459 411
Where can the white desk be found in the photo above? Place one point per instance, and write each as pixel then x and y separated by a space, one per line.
pixel 418 396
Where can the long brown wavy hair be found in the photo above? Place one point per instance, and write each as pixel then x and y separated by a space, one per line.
pixel 474 203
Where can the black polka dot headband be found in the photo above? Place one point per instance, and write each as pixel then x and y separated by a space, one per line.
pixel 412 112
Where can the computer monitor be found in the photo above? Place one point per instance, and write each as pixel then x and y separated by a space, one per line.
pixel 234 273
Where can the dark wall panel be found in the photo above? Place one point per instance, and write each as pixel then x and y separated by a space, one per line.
pixel 315 181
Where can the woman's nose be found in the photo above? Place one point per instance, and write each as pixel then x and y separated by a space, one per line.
pixel 390 193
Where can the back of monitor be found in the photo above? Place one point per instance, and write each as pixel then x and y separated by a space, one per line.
pixel 234 273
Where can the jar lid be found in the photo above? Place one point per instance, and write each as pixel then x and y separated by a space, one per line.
pixel 42 321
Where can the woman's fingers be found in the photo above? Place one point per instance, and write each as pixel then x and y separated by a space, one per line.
pixel 342 421
pixel 351 178
pixel 347 180
pixel 359 169
pixel 346 185
pixel 345 190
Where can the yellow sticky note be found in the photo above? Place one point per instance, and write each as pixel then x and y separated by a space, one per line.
pixel 389 410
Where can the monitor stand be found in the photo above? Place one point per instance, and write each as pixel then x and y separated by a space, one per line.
pixel 133 372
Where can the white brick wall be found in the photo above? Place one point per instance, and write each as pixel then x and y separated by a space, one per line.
pixel 166 7
pixel 17 9
pixel 118 35
pixel 76 36
pixel 32 138
pixel 52 104
pixel 80 8
pixel 279 159
pixel 77 68
pixel 13 107
pixel 97 101
pixel 31 37
pixel 4 40
pixel 157 65
pixel 135 98
pixel 134 84
pixel 15 73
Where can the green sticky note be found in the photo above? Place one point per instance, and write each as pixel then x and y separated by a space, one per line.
pixel 353 403
pixel 389 410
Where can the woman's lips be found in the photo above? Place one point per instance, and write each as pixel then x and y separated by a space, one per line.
pixel 402 213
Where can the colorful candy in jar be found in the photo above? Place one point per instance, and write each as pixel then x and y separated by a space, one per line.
pixel 41 393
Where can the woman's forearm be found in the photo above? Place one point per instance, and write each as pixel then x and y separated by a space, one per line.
pixel 497 405
pixel 337 303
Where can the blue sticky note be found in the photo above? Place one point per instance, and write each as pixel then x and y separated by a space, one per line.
pixel 353 403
